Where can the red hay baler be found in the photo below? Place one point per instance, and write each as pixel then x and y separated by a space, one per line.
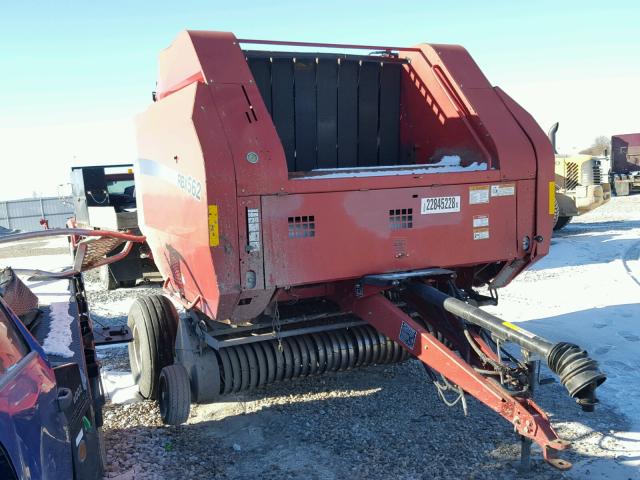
pixel 317 211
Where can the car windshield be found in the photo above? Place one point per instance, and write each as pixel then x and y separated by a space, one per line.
pixel 117 187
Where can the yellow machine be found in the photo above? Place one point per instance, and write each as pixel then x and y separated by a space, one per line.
pixel 582 184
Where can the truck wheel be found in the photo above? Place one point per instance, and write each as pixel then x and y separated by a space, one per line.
pixel 561 223
pixel 153 321
pixel 174 395
pixel 106 278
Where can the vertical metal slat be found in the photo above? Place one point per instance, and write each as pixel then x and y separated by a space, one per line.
pixel 305 113
pixel 348 114
pixel 327 108
pixel 368 88
pixel 283 106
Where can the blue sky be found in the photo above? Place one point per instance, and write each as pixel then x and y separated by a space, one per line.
pixel 74 74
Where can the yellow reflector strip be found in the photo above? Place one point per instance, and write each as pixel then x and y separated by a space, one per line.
pixel 552 198
pixel 130 170
pixel 214 236
pixel 512 326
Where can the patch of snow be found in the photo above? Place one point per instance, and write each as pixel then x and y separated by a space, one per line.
pixel 119 387
pixel 447 164
pixel 586 291
pixel 59 338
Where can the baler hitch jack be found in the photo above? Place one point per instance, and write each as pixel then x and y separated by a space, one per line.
pixel 472 364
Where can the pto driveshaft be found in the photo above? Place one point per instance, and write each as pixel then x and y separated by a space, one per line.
pixel 578 373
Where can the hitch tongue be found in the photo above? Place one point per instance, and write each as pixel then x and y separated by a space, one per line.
pixel 578 373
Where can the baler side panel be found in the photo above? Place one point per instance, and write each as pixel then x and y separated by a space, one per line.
pixel 175 190
pixel 545 162
pixel 492 125
pixel 320 237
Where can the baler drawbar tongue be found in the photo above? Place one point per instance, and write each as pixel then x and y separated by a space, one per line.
pixel 428 323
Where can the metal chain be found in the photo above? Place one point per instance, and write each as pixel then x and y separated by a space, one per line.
pixel 275 324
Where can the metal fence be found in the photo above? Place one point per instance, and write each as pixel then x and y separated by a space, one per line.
pixel 26 214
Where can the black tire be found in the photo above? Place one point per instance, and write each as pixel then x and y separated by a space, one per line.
pixel 561 223
pixel 174 395
pixel 153 322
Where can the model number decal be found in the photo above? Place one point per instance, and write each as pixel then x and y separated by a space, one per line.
pixel 440 205
pixel 190 185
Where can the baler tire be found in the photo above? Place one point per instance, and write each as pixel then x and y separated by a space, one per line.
pixel 561 223
pixel 174 394
pixel 153 321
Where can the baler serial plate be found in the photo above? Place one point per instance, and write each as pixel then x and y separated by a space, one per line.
pixel 440 205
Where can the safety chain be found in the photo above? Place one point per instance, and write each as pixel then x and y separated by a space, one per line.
pixel 275 324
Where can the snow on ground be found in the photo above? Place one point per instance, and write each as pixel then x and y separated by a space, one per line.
pixel 587 291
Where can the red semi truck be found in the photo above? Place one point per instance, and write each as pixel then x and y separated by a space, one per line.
pixel 625 162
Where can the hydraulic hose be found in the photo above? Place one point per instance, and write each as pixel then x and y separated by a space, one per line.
pixel 578 373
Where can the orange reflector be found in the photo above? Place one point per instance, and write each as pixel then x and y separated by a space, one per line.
pixel 552 198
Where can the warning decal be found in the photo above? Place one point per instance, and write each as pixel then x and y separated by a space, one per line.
pixel 504 190
pixel 480 233
pixel 478 194
pixel 480 221
pixel 214 237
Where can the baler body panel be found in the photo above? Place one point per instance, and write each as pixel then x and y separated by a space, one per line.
pixel 311 238
pixel 278 141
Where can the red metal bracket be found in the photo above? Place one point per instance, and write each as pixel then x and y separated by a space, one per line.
pixel 527 418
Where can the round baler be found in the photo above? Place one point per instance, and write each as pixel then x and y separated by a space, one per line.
pixel 317 212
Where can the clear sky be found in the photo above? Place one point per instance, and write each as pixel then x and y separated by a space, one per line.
pixel 74 74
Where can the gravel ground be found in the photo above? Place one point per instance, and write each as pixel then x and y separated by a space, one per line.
pixel 376 422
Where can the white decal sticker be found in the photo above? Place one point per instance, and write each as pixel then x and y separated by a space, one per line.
pixel 480 233
pixel 440 205
pixel 79 437
pixel 478 195
pixel 503 190
pixel 253 227
pixel 480 221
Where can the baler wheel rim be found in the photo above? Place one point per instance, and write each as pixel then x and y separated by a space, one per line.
pixel 235 369
pixel 253 366
pixel 313 356
pixel 245 377
pixel 304 356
